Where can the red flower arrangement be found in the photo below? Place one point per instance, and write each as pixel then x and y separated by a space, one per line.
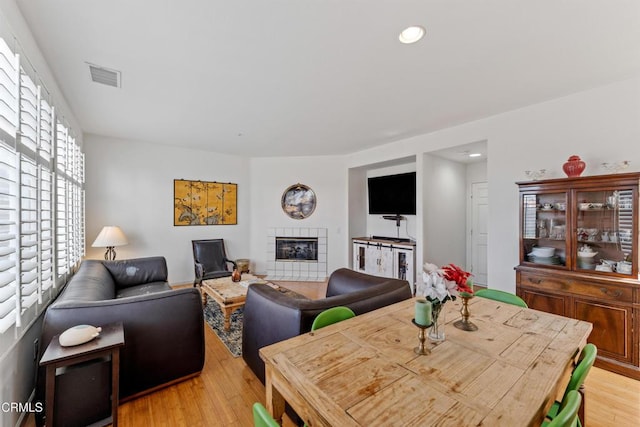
pixel 460 277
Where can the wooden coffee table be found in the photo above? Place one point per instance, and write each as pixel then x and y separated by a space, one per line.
pixel 229 295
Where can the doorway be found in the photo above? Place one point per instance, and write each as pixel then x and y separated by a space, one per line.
pixel 468 167
pixel 479 231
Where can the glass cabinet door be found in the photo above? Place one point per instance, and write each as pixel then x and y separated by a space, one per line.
pixel 544 228
pixel 605 231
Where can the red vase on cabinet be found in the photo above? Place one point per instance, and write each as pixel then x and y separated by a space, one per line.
pixel 574 166
pixel 236 276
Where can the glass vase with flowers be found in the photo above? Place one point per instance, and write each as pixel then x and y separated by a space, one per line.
pixel 441 285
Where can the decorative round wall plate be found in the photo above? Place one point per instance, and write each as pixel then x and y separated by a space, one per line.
pixel 298 201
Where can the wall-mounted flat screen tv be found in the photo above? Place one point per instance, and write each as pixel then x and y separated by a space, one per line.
pixel 392 194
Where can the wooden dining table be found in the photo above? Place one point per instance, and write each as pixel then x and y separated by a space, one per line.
pixel 364 371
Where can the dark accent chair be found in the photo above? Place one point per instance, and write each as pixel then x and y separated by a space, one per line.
pixel 210 260
pixel 273 315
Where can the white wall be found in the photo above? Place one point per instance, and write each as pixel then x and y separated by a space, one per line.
pixel 444 201
pixel 130 184
pixel 127 187
pixel 599 125
pixel 476 172
pixel 327 177
pixel 357 205
pixel 602 124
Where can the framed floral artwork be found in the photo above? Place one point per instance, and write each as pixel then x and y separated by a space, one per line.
pixel 204 203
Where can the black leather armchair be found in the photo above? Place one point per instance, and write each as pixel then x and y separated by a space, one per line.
pixel 271 315
pixel 210 260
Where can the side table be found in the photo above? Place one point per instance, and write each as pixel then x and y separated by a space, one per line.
pixel 108 343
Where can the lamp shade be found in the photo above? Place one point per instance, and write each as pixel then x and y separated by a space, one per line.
pixel 110 236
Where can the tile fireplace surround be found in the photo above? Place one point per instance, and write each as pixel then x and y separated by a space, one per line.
pixel 297 270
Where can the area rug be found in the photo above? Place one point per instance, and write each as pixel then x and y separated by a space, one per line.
pixel 232 338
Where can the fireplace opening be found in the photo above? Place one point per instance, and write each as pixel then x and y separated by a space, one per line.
pixel 296 249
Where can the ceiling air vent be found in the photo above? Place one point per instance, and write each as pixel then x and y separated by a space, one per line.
pixel 105 76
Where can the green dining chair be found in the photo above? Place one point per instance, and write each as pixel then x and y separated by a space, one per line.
pixel 568 415
pixel 331 316
pixel 261 417
pixel 502 296
pixel 579 374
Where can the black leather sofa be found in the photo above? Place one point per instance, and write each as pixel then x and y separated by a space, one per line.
pixel 163 328
pixel 273 315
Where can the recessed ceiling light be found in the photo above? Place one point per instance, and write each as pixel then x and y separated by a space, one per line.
pixel 475 155
pixel 411 34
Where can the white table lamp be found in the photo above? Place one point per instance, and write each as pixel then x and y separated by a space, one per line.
pixel 109 237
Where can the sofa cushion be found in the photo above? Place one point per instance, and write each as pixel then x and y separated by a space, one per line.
pixel 133 272
pixel 145 289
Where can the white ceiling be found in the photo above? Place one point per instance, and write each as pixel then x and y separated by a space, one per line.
pixel 461 153
pixel 313 77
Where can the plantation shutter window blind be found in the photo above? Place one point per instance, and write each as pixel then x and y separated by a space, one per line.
pixel 28 112
pixel 41 196
pixel 8 239
pixel 8 93
pixel 61 202
pixel 9 221
pixel 45 144
pixel 46 231
pixel 46 129
pixel 75 234
pixel 26 144
pixel 29 289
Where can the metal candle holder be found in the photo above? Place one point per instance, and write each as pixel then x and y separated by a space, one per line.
pixel 421 349
pixel 464 323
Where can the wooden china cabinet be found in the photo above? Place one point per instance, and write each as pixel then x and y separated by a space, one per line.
pixel 579 258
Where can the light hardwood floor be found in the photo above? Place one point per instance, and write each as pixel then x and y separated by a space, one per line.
pixel 226 390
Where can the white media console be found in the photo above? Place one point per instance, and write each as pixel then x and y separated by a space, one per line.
pixel 385 257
